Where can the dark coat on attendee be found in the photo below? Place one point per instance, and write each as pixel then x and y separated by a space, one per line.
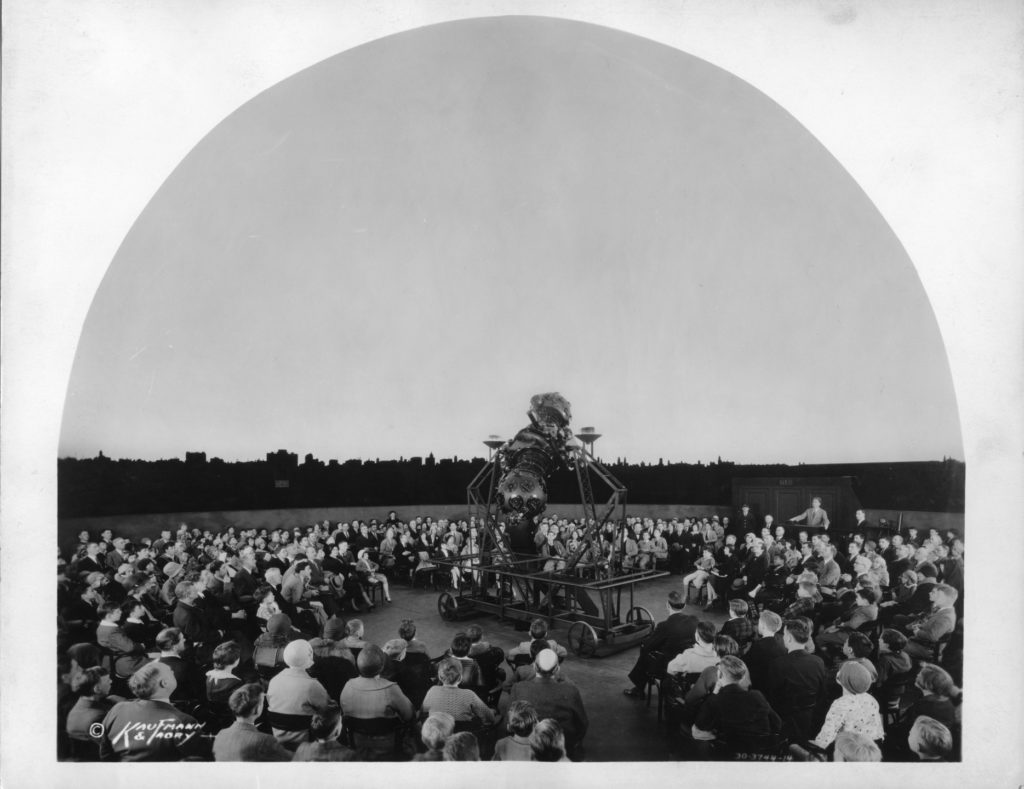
pixel 919 602
pixel 739 717
pixel 741 629
pixel 672 636
pixel 762 652
pixel 197 629
pixel 187 676
pixel 796 690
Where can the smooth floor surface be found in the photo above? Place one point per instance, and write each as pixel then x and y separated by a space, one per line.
pixel 621 728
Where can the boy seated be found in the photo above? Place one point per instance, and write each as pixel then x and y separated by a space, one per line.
pixel 698 657
pixel 522 717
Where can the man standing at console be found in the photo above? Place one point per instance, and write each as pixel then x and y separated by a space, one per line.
pixel 669 638
pixel 816 518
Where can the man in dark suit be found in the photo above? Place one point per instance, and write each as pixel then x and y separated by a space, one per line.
pixel 863 526
pixel 738 625
pixel 244 584
pixel 744 522
pixel 941 621
pixel 765 649
pixel 797 683
pixel 194 623
pixel 670 637
pixel 919 604
pixel 188 679
pixel 92 562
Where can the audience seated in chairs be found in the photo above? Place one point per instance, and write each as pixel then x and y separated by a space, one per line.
pixel 128 656
pixel 807 599
pixel 489 659
pixel 863 612
pixel 852 746
pixel 221 682
pixel 175 652
pixel 796 683
pixel 407 630
pixel 333 663
pixel 893 664
pixel 526 669
pixel 324 746
pixel 355 632
pixel 151 710
pixel 92 685
pixel 242 741
pixel 705 683
pixel 209 608
pixel 856 710
pixel 857 649
pixel 471 676
pixel 334 632
pixel 434 732
pixel 547 742
pixel 538 629
pixel 461 747
pixel 764 649
pixel 701 575
pixel 738 625
pixel 698 657
pixel 268 649
pixel 737 717
pixel 939 624
pixel 414 672
pixel 553 699
pixel 293 697
pixel 939 700
pixel 461 703
pixel 371 698
pixel 930 740
pixel 522 717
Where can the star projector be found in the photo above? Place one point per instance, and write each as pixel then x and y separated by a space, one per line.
pixel 537 450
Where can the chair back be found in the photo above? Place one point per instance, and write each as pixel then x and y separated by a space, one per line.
pixel 288 722
pixel 673 689
pixel 371 727
pixel 374 735
pixel 654 665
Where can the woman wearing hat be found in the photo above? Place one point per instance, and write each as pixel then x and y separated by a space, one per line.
pixel 855 711
pixel 293 692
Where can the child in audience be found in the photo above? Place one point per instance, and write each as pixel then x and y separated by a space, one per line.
pixel 434 733
pixel 548 742
pixel 522 717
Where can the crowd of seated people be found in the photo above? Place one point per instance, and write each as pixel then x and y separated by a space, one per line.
pixel 224 614
pixel 819 643
pixel 249 645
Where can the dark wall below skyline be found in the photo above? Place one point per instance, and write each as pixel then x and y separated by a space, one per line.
pixel 101 486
